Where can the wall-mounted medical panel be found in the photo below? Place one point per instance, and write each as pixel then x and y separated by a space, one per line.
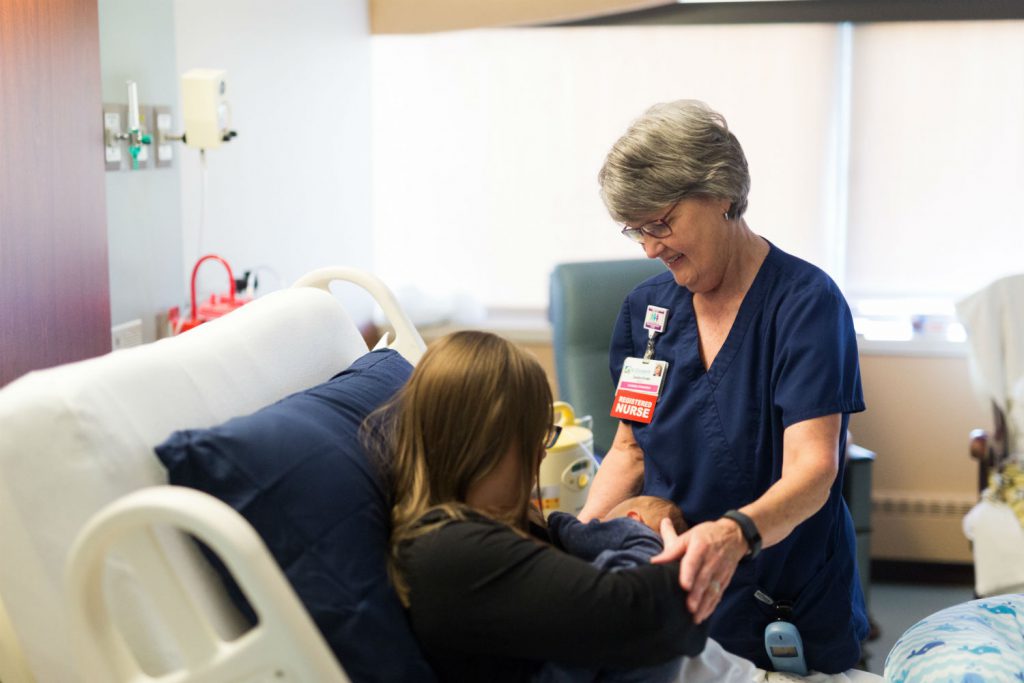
pixel 123 151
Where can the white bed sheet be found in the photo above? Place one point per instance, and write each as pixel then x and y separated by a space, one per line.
pixel 997 541
pixel 715 665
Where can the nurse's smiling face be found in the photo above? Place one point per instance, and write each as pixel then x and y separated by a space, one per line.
pixel 700 245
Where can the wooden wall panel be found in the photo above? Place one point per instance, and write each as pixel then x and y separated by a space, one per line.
pixel 54 285
pixel 416 16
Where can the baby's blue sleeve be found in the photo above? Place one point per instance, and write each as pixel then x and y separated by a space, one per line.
pixel 615 544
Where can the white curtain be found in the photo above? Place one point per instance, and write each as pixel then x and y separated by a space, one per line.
pixel 937 158
pixel 487 144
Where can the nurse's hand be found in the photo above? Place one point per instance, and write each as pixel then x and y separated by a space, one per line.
pixel 710 552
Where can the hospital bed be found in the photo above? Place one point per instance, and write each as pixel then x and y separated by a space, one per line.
pixel 93 584
pixel 97 580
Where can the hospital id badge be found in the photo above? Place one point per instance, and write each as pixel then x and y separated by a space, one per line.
pixel 638 389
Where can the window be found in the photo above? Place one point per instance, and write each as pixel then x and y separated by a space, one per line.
pixel 890 154
pixel 937 158
pixel 487 144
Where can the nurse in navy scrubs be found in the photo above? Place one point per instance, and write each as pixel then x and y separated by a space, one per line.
pixel 749 430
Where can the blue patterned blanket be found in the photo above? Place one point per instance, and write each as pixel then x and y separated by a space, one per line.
pixel 981 641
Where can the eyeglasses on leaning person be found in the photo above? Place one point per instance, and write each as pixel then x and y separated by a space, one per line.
pixel 552 437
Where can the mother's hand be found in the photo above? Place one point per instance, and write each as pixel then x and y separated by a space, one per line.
pixel 710 552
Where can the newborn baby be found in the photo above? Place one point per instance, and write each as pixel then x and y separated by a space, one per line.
pixel 625 537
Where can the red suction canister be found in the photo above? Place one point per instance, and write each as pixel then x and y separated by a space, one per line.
pixel 216 306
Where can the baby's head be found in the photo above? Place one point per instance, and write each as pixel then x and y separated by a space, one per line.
pixel 649 510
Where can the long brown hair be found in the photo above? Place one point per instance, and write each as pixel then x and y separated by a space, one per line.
pixel 471 398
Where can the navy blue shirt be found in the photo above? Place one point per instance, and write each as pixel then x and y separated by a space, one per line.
pixel 715 443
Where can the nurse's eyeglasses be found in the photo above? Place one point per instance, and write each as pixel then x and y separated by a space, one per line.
pixel 554 431
pixel 658 228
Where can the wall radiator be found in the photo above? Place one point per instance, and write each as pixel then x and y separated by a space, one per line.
pixel 917 503
pixel 920 526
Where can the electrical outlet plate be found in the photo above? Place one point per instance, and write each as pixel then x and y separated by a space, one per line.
pixel 115 118
pixel 126 335
pixel 163 148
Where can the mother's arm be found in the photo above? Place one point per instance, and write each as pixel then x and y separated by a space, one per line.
pixel 620 476
pixel 711 551
pixel 479 588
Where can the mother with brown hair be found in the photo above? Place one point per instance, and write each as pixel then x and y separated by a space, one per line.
pixel 488 597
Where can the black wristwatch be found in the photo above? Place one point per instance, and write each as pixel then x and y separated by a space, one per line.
pixel 749 530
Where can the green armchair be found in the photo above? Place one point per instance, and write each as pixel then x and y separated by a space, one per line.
pixel 585 300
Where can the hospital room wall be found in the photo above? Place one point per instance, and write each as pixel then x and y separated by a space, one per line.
pixel 292 192
pixel 921 409
pixel 143 207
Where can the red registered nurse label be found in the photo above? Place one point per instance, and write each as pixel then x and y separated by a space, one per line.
pixel 631 405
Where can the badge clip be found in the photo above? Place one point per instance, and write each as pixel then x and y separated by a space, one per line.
pixel 654 322
pixel 649 351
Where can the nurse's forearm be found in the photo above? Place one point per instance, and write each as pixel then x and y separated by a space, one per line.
pixel 620 476
pixel 810 463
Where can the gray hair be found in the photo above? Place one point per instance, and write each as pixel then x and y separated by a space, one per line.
pixel 675 150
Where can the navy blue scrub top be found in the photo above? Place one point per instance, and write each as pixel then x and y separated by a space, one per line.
pixel 715 443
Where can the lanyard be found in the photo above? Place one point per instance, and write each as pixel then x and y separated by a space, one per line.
pixel 640 382
pixel 649 351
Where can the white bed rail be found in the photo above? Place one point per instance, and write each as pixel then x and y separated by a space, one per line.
pixel 408 341
pixel 284 645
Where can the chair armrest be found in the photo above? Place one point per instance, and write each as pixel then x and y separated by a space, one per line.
pixel 982 449
pixel 989 449
pixel 979 445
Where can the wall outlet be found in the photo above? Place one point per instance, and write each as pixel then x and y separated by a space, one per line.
pixel 126 335
pixel 115 119
pixel 163 147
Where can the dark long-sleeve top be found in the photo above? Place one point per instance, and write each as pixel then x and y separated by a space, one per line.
pixel 490 604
